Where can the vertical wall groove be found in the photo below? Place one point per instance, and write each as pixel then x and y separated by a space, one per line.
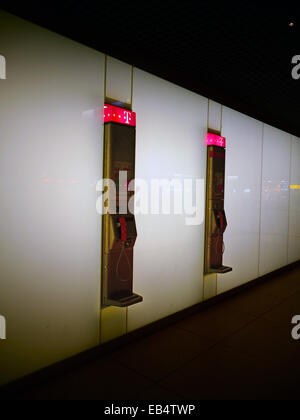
pixel 289 203
pixel 100 295
pixel 260 203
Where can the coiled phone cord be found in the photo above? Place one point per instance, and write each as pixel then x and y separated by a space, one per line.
pixel 123 251
pixel 217 242
pixel 219 236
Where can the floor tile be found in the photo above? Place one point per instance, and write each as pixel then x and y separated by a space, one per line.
pixel 284 312
pixel 157 393
pixel 216 323
pixel 266 341
pixel 255 301
pixel 161 353
pixel 227 374
pixel 284 285
pixel 96 381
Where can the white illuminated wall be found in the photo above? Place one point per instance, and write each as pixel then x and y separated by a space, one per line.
pixel 168 268
pixel 262 199
pixel 294 208
pixel 242 198
pixel 275 200
pixel 50 160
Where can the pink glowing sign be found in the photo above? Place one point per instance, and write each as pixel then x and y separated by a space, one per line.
pixel 119 115
pixel 215 140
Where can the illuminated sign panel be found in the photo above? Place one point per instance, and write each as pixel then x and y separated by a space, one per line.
pixel 119 115
pixel 215 140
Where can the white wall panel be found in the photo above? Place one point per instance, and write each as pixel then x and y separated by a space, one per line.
pixel 275 199
pixel 242 198
pixel 168 260
pixel 294 214
pixel 50 160
pixel 118 80
pixel 210 286
pixel 113 323
pixel 214 115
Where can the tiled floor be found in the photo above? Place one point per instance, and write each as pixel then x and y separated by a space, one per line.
pixel 239 349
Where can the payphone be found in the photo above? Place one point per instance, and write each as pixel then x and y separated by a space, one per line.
pixel 216 222
pixel 118 230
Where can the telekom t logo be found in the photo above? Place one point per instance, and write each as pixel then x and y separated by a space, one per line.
pixel 2 68
pixel 127 117
pixel 2 328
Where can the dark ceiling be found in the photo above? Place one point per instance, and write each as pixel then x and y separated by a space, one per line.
pixel 238 54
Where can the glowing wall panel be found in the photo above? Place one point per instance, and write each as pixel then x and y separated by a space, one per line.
pixel 168 263
pixel 294 211
pixel 275 199
pixel 242 198
pixel 50 160
pixel 118 80
pixel 113 323
pixel 214 116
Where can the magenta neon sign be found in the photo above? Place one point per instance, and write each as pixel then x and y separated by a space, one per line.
pixel 215 140
pixel 119 115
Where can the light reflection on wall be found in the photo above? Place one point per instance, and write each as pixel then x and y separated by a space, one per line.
pixel 270 187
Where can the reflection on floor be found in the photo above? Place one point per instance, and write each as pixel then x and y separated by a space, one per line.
pixel 239 349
